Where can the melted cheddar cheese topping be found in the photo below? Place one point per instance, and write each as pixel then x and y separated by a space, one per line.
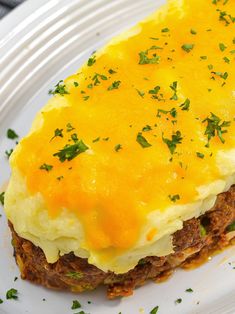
pixel 143 127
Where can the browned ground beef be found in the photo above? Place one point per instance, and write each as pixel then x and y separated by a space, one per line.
pixel 75 274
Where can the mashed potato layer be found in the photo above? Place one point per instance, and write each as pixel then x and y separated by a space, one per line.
pixel 139 140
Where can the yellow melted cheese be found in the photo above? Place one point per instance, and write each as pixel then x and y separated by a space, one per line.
pixel 118 201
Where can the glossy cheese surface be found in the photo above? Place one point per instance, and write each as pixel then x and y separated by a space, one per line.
pixel 141 138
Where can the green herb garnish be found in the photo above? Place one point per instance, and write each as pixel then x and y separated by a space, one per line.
pixel 69 152
pixel 118 147
pixel 200 155
pixel 222 47
pixel 231 227
pixel 115 85
pixel 189 290
pixel 11 134
pixel 187 47
pixel 173 86
pixel 74 275
pixel 165 30
pixel 202 230
pixel 75 305
pixel 154 310
pixel 185 106
pixel 91 61
pixel 57 133
pixel 174 198
pixel 215 127
pixel 142 141
pixel 69 127
pixel 176 138
pixel 178 301
pixel 46 167
pixel 2 195
pixel 12 294
pixel 9 152
pixel 60 89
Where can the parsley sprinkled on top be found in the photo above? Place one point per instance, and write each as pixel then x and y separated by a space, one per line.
pixel 146 59
pixel 69 152
pixel 11 134
pixel 185 106
pixel 115 85
pixel 187 47
pixel 2 194
pixel 154 310
pixel 173 86
pixel 165 30
pixel 57 133
pixel 174 198
pixel 76 305
pixel 118 147
pixel 222 47
pixel 176 138
pixel 60 89
pixel 46 167
pixel 215 127
pixel 12 294
pixel 189 290
pixel 91 60
pixel 142 141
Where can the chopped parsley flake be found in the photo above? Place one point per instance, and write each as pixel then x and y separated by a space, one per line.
pixel 91 61
pixel 172 143
pixel 227 60
pixel 165 30
pixel 74 275
pixel 12 294
pixel 76 305
pixel 231 227
pixel 145 59
pixel 142 141
pixel 69 127
pixel 2 195
pixel 154 310
pixel 187 47
pixel 178 301
pixel 69 152
pixel 202 230
pixel 147 128
pixel 96 78
pixel 96 140
pixel 200 155
pixel 173 86
pixel 193 32
pixel 85 98
pixel 222 47
pixel 1 301
pixel 46 167
pixel 174 198
pixel 75 84
pixel 189 290
pixel 11 134
pixel 223 75
pixel 140 93
pixel 111 71
pixel 172 112
pixel 215 127
pixel 155 90
pixel 118 147
pixel 9 152
pixel 115 85
pixel 57 133
pixel 185 106
pixel 60 89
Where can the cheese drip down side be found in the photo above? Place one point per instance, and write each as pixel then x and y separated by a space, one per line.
pixel 139 140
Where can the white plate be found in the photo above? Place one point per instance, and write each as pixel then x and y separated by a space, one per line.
pixel 40 43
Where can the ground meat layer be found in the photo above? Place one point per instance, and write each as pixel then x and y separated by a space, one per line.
pixel 198 238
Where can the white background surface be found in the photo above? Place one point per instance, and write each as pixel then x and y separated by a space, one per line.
pixel 41 43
